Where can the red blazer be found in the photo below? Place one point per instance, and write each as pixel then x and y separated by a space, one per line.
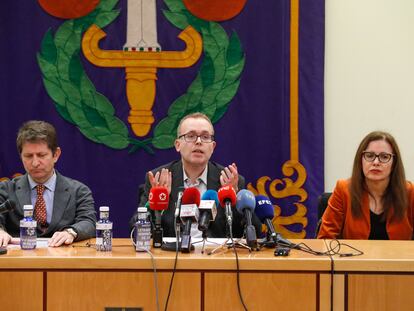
pixel 338 221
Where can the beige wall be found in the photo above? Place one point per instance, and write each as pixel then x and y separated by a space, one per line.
pixel 369 79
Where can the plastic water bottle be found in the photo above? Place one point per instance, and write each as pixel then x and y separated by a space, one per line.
pixel 142 231
pixel 104 231
pixel 28 234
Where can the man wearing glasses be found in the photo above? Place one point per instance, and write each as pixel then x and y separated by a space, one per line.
pixel 195 143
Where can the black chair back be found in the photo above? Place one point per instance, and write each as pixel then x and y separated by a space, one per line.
pixel 322 204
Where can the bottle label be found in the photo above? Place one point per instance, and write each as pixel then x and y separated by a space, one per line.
pixel 28 224
pixel 28 237
pixel 103 240
pixel 143 237
pixel 103 226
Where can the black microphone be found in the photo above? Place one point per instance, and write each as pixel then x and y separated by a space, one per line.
pixel 264 211
pixel 189 213
pixel 158 202
pixel 245 205
pixel 208 209
pixel 7 206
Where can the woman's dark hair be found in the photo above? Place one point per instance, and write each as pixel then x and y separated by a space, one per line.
pixel 395 196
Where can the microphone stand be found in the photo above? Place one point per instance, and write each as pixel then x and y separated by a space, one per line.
pixel 269 242
pixel 204 240
pixel 230 243
pixel 227 245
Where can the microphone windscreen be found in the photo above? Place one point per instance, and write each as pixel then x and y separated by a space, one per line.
pixel 227 193
pixel 264 208
pixel 245 199
pixel 191 196
pixel 158 198
pixel 211 195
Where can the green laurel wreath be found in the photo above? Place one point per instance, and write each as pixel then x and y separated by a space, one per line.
pixel 217 81
pixel 78 102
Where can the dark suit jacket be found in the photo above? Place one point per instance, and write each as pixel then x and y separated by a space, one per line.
pixel 73 207
pixel 217 228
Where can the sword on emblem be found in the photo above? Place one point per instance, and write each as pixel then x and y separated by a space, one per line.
pixel 141 56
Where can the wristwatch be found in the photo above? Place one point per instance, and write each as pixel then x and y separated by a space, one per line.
pixel 71 232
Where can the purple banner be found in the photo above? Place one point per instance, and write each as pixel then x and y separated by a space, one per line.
pixel 258 75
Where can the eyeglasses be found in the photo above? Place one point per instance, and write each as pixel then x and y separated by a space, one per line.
pixel 383 157
pixel 192 137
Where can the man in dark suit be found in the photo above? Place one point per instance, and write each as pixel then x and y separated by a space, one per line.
pixel 63 207
pixel 195 143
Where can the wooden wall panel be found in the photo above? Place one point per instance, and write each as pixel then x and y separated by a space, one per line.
pixel 89 291
pixel 21 291
pixel 380 292
pixel 270 291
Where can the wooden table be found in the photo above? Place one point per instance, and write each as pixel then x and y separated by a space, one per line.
pixel 80 278
pixel 381 279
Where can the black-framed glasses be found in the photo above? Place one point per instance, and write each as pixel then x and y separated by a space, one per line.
pixel 192 137
pixel 383 157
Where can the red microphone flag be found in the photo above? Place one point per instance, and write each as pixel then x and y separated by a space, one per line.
pixel 158 198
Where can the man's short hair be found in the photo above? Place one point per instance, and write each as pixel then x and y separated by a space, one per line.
pixel 195 115
pixel 37 131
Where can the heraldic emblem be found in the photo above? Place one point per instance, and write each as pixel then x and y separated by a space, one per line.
pixel 78 101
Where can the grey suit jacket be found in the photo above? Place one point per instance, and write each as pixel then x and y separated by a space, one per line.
pixel 217 229
pixel 73 207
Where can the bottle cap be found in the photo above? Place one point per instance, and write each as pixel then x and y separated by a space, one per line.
pixel 27 207
pixel 104 209
pixel 142 209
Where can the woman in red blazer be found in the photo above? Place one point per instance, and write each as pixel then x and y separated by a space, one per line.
pixel 377 202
